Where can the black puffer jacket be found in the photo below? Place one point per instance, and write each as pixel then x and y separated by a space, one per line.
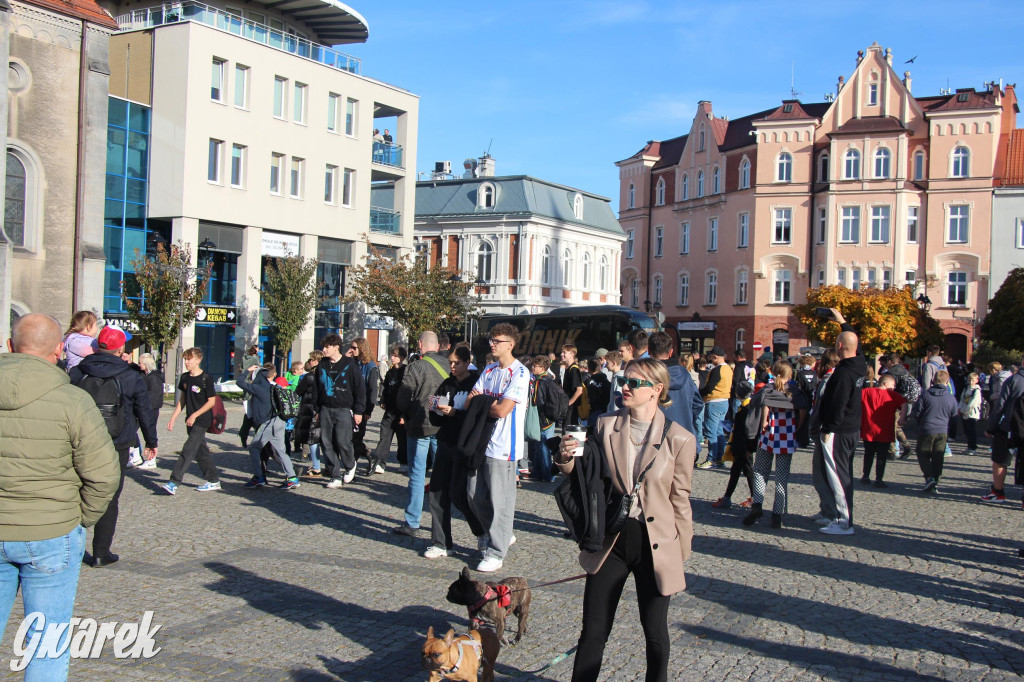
pixel 307 408
pixel 134 395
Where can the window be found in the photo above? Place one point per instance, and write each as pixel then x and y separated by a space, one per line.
pixel 686 187
pixel 911 277
pixel 299 103
pixel 238 154
pixel 783 290
pixel 919 166
pixel 961 162
pixel 872 94
pixel 332 112
pixel 280 95
pixel 855 281
pixel 912 221
pixel 823 168
pixel 330 184
pixel 711 289
pixel 657 289
pixel 351 106
pixel 297 178
pixel 851 165
pixel 713 234
pixel 716 181
pixel 700 146
pixel 484 261
pixel 741 338
pixel 602 273
pixel 956 289
pixel 1020 233
pixel 16 200
pixel 348 186
pixel 822 225
pixel 785 168
pixel 629 244
pixel 566 268
pixel 700 184
pixel 850 232
pixel 214 161
pixel 585 261
pixel 880 224
pixel 684 238
pixel 743 238
pixel 631 199
pixel 886 278
pixel 783 233
pixel 634 291
pixel 959 219
pixel 659 241
pixel 745 174
pixel 241 86
pixel 577 206
pixel 841 277
pixel 545 266
pixel 487 196
pixel 659 193
pixel 821 277
pixel 217 93
pixel 684 289
pixel 872 278
pixel 882 159
pixel 276 169
pixel 741 287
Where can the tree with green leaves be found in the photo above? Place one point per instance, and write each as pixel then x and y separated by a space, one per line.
pixel 1004 324
pixel 290 296
pixel 164 295
pixel 414 296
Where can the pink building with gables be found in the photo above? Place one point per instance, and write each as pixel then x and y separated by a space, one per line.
pixel 728 225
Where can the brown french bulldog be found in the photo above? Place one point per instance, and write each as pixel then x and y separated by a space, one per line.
pixel 492 602
pixel 459 658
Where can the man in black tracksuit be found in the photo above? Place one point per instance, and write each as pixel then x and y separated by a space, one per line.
pixel 341 399
pixel 840 425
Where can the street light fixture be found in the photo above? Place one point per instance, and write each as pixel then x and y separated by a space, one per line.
pixel 924 303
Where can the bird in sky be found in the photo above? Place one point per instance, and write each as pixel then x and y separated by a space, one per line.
pixel 911 60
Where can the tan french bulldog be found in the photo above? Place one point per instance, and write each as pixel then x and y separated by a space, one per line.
pixel 459 658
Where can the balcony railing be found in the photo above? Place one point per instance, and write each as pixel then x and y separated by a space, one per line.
pixel 385 221
pixel 178 12
pixel 387 154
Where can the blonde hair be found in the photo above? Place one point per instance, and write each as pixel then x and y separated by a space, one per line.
pixel 81 321
pixel 316 355
pixel 654 371
pixel 783 372
pixel 147 362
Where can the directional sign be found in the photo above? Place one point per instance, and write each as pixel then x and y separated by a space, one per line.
pixel 215 314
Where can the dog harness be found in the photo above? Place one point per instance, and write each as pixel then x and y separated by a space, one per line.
pixel 500 593
pixel 462 642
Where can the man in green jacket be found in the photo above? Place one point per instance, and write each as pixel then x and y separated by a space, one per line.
pixel 60 473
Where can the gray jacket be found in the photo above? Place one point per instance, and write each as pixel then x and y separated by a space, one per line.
pixel 419 383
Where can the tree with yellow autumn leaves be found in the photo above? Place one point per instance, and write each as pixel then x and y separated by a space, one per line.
pixel 887 320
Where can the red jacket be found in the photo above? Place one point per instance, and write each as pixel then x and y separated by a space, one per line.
pixel 878 414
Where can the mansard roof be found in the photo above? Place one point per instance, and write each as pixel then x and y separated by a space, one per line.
pixel 963 98
pixel 871 124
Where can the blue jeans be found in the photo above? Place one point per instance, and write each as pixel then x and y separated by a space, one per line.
pixel 540 455
pixel 698 427
pixel 47 572
pixel 314 456
pixel 714 413
pixel 420 449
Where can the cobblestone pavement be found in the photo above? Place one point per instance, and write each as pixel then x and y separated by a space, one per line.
pixel 311 585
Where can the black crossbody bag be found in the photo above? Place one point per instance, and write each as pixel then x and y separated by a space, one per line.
pixel 618 511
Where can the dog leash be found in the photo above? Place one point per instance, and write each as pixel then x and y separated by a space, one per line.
pixel 486 600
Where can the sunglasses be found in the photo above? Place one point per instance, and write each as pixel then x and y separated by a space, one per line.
pixel 633 383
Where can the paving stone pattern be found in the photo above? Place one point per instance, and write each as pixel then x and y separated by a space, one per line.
pixel 312 585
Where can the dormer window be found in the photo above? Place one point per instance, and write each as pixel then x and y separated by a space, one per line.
pixel 962 97
pixel 577 206
pixel 486 196
pixel 787 108
pixel 873 94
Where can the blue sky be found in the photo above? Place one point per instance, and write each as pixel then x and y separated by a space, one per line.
pixel 565 88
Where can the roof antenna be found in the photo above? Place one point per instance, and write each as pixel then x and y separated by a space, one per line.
pixel 946 90
pixel 489 144
pixel 793 94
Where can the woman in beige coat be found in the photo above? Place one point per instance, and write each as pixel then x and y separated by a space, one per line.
pixel 655 541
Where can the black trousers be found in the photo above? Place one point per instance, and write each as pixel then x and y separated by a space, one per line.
pixel 875 453
pixel 195 449
pixel 741 466
pixel 358 446
pixel 631 554
pixel 244 429
pixel 390 428
pixel 103 533
pixel 447 490
pixel 336 440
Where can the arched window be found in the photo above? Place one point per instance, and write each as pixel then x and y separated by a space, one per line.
pixel 632 197
pixel 785 167
pixel 659 193
pixel 745 174
pixel 823 168
pixel 700 184
pixel 716 181
pixel 602 273
pixel 577 206
pixel 686 187
pixel 487 196
pixel 634 293
pixel 586 271
pixel 961 162
pixel 16 200
pixel 545 266
pixel 484 262
pixel 657 289
pixel 741 287
pixel 882 158
pixel 851 165
pixel 711 288
pixel 700 148
pixel 683 285
pixel 566 269
pixel 919 168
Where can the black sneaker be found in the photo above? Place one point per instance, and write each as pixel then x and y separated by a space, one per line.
pixel 929 485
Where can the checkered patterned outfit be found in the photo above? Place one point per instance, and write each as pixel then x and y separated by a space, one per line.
pixel 778 442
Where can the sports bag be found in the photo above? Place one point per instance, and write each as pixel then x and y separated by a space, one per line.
pixel 106 392
pixel 220 415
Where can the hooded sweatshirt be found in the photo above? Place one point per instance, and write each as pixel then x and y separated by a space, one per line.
pixel 840 402
pixel 935 408
pixel 58 466
pixel 134 395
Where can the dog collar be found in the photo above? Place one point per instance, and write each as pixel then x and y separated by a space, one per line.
pixel 500 593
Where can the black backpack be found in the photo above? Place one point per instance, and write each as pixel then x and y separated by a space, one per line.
pixel 107 395
pixel 807 381
pixel 553 403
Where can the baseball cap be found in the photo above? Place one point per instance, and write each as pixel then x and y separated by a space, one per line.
pixel 112 337
pixel 601 352
pixel 717 350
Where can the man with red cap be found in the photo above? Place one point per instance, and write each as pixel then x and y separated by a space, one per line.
pixel 123 399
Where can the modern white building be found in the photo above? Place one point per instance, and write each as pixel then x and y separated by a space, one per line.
pixel 261 144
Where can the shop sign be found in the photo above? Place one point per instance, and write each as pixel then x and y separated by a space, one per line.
pixel 278 245
pixel 382 322
pixel 215 314
pixel 708 326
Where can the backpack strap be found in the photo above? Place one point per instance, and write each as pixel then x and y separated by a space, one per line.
pixel 440 370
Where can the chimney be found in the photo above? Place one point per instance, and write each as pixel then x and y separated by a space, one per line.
pixel 839 85
pixel 486 167
pixel 469 166
pixel 860 56
pixel 906 80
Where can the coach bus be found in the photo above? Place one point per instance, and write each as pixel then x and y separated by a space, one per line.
pixel 587 327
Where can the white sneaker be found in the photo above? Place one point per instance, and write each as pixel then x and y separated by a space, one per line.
pixel 824 521
pixel 134 458
pixel 148 464
pixel 489 565
pixel 435 552
pixel 837 528
pixel 334 484
pixel 379 469
pixel 349 476
pixel 512 541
